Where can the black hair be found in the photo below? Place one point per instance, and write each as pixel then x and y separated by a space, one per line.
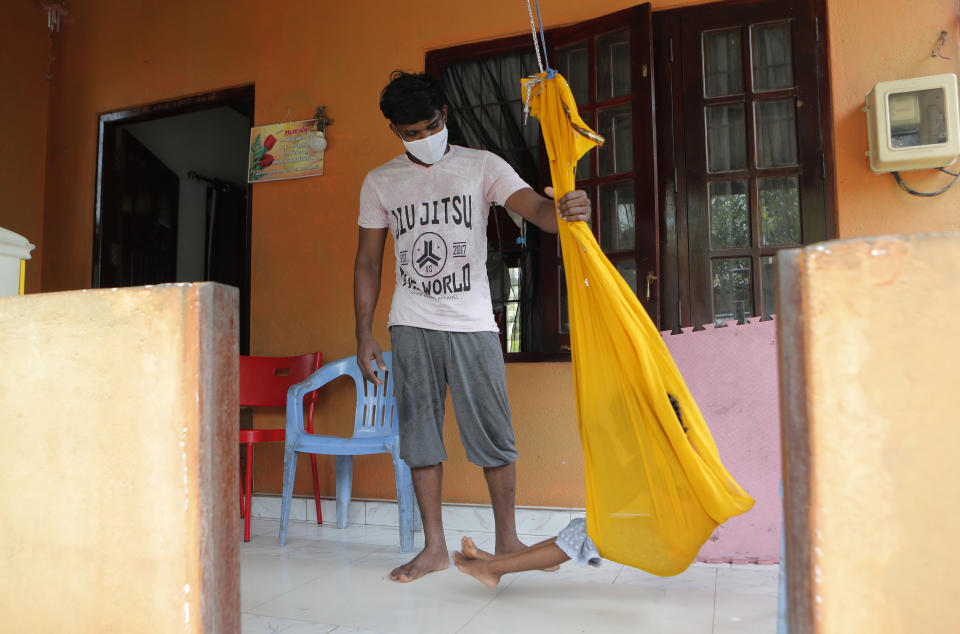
pixel 411 97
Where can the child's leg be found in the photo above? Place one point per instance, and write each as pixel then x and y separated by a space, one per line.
pixel 545 554
pixel 470 550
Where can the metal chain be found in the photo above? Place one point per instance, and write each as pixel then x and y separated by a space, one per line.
pixel 533 31
pixel 533 81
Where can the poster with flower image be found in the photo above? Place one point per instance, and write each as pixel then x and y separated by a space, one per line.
pixel 285 150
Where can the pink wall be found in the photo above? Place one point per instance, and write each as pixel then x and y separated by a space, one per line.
pixel 732 374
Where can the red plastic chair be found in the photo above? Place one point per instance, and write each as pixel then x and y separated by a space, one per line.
pixel 263 383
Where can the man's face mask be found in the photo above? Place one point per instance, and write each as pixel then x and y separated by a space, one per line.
pixel 430 149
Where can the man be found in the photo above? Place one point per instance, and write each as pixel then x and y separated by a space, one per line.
pixel 434 198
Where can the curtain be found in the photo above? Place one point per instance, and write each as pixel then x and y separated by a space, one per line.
pixel 486 113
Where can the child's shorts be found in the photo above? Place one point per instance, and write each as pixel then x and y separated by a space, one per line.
pixel 574 541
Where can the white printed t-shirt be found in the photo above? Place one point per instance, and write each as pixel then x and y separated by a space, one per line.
pixel 438 218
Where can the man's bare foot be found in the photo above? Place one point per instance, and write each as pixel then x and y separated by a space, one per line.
pixel 426 562
pixel 477 568
pixel 470 550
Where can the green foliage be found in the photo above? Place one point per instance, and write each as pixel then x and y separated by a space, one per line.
pixel 780 211
pixel 730 227
pixel 256 153
pixel 731 285
pixel 729 218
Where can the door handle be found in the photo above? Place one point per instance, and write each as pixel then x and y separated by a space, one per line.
pixel 651 276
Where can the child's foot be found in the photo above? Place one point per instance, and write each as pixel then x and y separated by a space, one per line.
pixel 470 550
pixel 476 568
pixel 424 563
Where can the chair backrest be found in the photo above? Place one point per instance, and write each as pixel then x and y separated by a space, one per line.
pixel 264 380
pixel 376 412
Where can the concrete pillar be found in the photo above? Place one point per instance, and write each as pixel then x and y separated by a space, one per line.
pixel 870 407
pixel 119 495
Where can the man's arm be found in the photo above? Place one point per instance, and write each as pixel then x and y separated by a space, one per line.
pixel 366 291
pixel 573 207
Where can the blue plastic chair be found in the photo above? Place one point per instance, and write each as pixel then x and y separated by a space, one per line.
pixel 374 431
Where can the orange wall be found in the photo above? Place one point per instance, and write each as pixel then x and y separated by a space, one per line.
pixel 876 41
pixel 24 49
pixel 118 54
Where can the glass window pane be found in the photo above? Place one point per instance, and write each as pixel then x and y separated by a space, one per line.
pixel 729 214
pixel 722 68
pixel 776 133
pixel 731 289
pixel 629 272
pixel 616 155
pixel 617 218
pixel 489 73
pixel 531 137
pixel 726 138
pixel 564 313
pixel 476 122
pixel 772 56
pixel 574 66
pixel 583 166
pixel 467 75
pixel 613 65
pixel 514 293
pixel 917 118
pixel 513 311
pixel 779 210
pixel 491 123
pixel 530 130
pixel 769 280
pixel 513 132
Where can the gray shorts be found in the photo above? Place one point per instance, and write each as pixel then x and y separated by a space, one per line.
pixel 425 362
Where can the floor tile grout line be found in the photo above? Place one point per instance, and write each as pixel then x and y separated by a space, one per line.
pixel 308 622
pixel 289 591
pixel 617 576
pixel 496 595
pixel 716 588
pixel 274 598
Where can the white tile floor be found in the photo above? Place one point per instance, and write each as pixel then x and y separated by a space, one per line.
pixel 330 580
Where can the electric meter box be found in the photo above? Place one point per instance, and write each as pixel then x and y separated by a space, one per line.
pixel 913 124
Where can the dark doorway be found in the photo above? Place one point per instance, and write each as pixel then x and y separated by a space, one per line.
pixel 143 233
pixel 173 204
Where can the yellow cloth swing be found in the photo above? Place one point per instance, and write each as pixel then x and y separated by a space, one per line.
pixel 655 486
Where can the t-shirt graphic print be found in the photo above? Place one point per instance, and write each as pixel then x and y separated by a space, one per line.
pixel 438 218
